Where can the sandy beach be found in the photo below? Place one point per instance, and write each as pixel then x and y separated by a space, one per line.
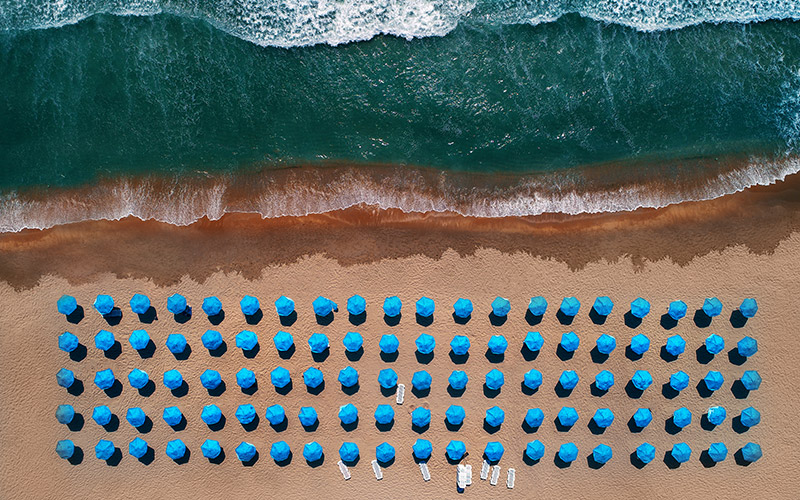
pixel 742 245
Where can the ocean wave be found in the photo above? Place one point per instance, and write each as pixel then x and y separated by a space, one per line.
pixel 318 190
pixel 294 23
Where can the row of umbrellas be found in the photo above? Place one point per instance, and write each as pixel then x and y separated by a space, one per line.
pixel 392 306
pixel 420 417
pixel 349 452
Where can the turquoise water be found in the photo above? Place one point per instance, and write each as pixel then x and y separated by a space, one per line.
pixel 545 91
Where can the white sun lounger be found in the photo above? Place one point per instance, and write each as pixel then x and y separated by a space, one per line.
pixel 512 476
pixel 426 474
pixel 468 468
pixel 485 471
pixel 343 469
pixel 495 475
pixel 401 393
pixel 377 470
pixel 461 477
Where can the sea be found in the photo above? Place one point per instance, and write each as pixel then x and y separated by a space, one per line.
pixel 178 110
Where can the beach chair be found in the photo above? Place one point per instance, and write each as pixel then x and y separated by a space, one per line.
pixel 495 475
pixel 401 393
pixel 512 476
pixel 377 470
pixel 461 477
pixel 485 471
pixel 343 469
pixel 426 474
pixel 468 468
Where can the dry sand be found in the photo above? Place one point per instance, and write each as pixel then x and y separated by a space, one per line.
pixel 744 245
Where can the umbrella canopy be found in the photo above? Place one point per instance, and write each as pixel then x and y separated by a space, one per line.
pixel 455 415
pixel 750 417
pixel 603 306
pixel 537 306
pixel 387 378
pixel 494 451
pixel 318 342
pixel 246 340
pixel 640 344
pixel 568 379
pixel 679 380
pixel 495 379
pixel 533 341
pixel 313 377
pixel 307 416
pixel 384 414
pixel 460 345
pixel 176 343
pixel 675 345
pixel 104 449
pixel 751 452
pixel 173 379
pixel 284 306
pixel 500 307
pixel 348 452
pixel 567 416
pixel 245 413
pixel 716 415
pixel 463 308
pixel 348 377
pixel 646 452
pixel 682 417
pixel 172 415
pixel 497 344
pixel 532 379
pixel 102 415
pixel 384 452
pixel 353 341
pixel 275 414
pixel 283 341
pixel 714 344
pixel 210 379
pixel 570 342
pixel 389 344
pixel 606 344
pixel 681 452
pixel 135 416
pixel 280 451
pixel 749 308
pixel 602 453
pixel 104 340
pixel 640 307
pixel 747 346
pixel 718 452
pixel 455 450
pixel 420 417
pixel 421 380
pixel 138 447
pixel 104 379
pixel 140 303
pixel 176 303
pixel 212 339
pixel 312 451
pixel 677 309
pixel 425 343
pixel 65 378
pixel 751 380
pixel 324 306
pixel 138 378
pixel 65 414
pixel 495 416
pixel 211 414
pixel 712 307
pixel 535 450
pixel 422 449
pixel 604 380
pixel 176 449
pixel 67 342
pixel 356 305
pixel 212 306
pixel 570 306
pixel 425 307
pixel 139 339
pixel 642 379
pixel 392 306
pixel 245 378
pixel 458 380
pixel 643 417
pixel 211 448
pixel 713 380
pixel 245 451
pixel 534 417
pixel 348 413
pixel 66 304
pixel 249 305
pixel 603 417
pixel 104 304
pixel 568 452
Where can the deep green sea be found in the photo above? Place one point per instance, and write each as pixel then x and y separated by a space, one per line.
pixel 162 109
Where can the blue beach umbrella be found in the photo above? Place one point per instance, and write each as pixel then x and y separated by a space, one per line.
pixel 384 452
pixel 567 416
pixel 245 451
pixel 245 378
pixel 138 447
pixel 712 307
pixel 750 417
pixel 455 415
pixel 348 452
pixel 602 453
pixel 749 308
pixel 713 380
pixel 751 380
pixel 603 417
pixel 751 452
pixel 136 417
pixel 422 449
pixel 675 345
pixel 606 344
pixel 65 414
pixel 140 303
pixel 173 379
pixel 104 449
pixel 65 378
pixel 246 340
pixel 532 379
pixel 211 448
pixel 497 344
pixel 568 379
pixel 284 306
pixel 176 343
pixel 420 417
pixel 455 450
pixel 307 416
pixel 677 309
pixel 682 417
pixel 313 377
pixel 104 379
pixel 389 344
pixel 324 306
pixel 384 414
pixel 718 452
pixel 283 341
pixel 714 344
pixel 460 345
pixel 249 305
pixel 570 342
pixel 533 341
pixel 681 452
pixel 644 416
pixel 535 450
pixel 138 378
pixel 603 306
pixel 494 451
pixel 102 415
pixel 280 451
pixel 500 307
pixel 139 339
pixel 495 416
pixel 495 379
pixel 275 414
pixel 604 380
pixel 716 415
pixel 425 307
pixel 387 378
pixel 425 343
pixel 640 308
pixel 66 305
pixel 679 380
pixel 210 379
pixel 534 417
pixel 640 344
pixel 67 342
pixel 570 306
pixel 348 377
pixel 172 416
pixel 348 413
pixel 212 339
pixel 176 303
pixel 356 305
pixel 212 306
pixel 353 341
pixel 537 306
pixel 104 340
pixel 312 451
pixel 245 413
pixel 421 380
pixel 458 380
pixel 646 452
pixel 642 379
pixel 747 346
pixel 568 452
pixel 211 414
pixel 392 306
pixel 104 304
pixel 463 308
pixel 318 342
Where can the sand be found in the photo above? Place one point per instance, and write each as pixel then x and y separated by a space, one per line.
pixel 745 245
